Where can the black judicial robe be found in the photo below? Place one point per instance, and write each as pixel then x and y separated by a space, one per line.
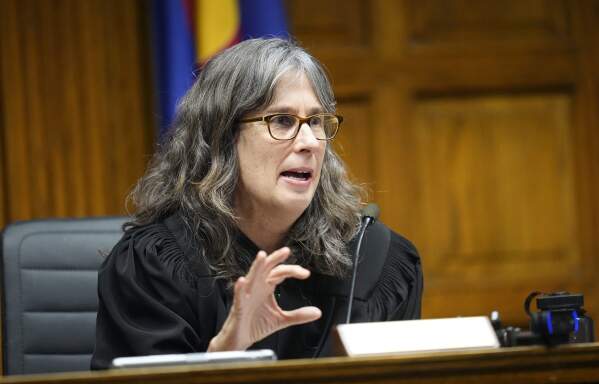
pixel 155 299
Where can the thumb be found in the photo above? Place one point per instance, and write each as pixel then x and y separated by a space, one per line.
pixel 302 315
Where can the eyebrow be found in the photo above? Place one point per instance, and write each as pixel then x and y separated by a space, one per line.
pixel 291 110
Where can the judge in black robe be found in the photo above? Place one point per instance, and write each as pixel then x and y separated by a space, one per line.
pixel 155 300
pixel 245 223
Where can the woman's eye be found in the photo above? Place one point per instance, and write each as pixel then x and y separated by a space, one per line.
pixel 283 121
pixel 315 121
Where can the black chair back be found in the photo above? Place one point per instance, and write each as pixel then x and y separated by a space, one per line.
pixel 50 291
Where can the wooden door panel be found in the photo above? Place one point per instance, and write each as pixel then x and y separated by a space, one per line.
pixel 497 205
pixel 491 169
pixel 330 24
pixel 76 100
pixel 464 22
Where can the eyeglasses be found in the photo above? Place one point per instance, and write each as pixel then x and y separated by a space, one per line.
pixel 285 126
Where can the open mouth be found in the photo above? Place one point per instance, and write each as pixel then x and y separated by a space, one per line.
pixel 299 175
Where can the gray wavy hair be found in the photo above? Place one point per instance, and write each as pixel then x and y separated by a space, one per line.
pixel 195 170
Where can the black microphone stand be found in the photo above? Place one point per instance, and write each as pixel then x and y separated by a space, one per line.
pixel 367 220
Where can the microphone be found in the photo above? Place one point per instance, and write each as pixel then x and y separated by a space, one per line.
pixel 369 216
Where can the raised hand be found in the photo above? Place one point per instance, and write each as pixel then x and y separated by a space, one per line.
pixel 255 313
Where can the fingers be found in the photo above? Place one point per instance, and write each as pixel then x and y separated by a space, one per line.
pixel 301 315
pixel 263 263
pixel 285 271
pixel 277 257
pixel 239 285
pixel 257 265
pixel 268 269
pixel 239 292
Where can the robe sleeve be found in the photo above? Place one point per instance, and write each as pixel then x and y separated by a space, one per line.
pixel 146 299
pixel 398 293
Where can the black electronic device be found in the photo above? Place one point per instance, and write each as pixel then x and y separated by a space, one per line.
pixel 559 319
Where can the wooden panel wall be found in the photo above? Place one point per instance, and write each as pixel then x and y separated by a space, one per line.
pixel 76 106
pixel 475 125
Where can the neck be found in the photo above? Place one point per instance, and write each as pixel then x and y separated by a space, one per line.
pixel 268 232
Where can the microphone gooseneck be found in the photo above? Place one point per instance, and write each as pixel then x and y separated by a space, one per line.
pixel 369 216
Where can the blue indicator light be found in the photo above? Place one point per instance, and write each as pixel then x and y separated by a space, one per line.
pixel 549 323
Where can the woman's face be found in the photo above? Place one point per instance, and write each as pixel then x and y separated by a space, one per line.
pixel 280 176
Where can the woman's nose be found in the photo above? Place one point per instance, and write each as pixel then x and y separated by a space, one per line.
pixel 305 137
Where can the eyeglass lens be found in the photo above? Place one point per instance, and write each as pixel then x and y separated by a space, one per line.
pixel 324 126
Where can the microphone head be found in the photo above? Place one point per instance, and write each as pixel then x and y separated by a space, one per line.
pixel 371 210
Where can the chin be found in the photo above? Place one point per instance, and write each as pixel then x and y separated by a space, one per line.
pixel 297 203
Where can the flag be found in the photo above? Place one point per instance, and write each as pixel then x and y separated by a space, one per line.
pixel 186 33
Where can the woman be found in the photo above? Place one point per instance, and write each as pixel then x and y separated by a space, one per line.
pixel 242 237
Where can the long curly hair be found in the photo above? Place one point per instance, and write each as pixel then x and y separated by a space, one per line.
pixel 195 170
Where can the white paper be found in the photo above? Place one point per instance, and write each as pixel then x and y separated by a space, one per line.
pixel 418 335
